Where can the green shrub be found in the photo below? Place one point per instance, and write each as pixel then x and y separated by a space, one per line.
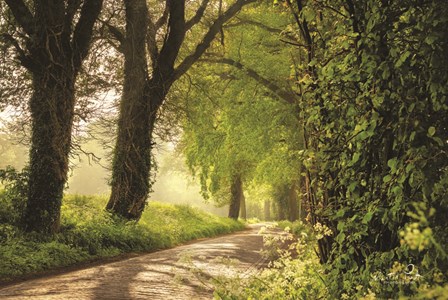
pixel 295 274
pixel 12 197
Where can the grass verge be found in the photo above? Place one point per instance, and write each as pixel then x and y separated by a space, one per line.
pixel 89 233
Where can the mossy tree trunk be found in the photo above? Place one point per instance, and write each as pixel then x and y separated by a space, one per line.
pixel 57 39
pixel 52 109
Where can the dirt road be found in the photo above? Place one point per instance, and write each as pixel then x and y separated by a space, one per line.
pixel 167 274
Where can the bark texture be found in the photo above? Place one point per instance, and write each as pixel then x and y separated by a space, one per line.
pixel 132 155
pixel 56 46
pixel 140 103
pixel 52 106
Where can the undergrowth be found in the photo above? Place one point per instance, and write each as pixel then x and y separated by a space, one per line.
pixel 89 233
pixel 296 273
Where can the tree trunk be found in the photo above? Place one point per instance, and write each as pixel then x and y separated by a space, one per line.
pixel 52 110
pixel 57 39
pixel 236 190
pixel 293 203
pixel 132 154
pixel 142 97
pixel 281 212
pixel 303 208
pixel 267 210
pixel 243 212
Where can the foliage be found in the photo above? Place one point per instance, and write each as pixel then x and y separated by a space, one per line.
pixel 287 277
pixel 88 233
pixel 371 78
pixel 235 122
pixel 12 197
pixel 373 103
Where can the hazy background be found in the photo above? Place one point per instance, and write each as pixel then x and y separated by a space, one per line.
pixel 173 183
pixel 89 173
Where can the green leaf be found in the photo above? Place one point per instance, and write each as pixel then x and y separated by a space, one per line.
pixel 431 131
pixel 308 14
pixel 367 217
pixel 352 186
pixel 340 214
pixel 402 59
pixel 392 164
pixel 409 167
pixel 377 101
pixel 355 157
pixel 340 238
pixel 438 141
pixel 387 178
pixel 430 39
pixel 397 190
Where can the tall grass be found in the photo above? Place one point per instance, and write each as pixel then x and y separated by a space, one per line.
pixel 88 233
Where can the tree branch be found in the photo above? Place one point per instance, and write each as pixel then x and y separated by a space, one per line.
pixel 22 15
pixel 72 7
pixel 306 30
pixel 20 52
pixel 209 37
pixel 162 20
pixel 198 16
pixel 151 42
pixel 254 23
pixel 116 32
pixel 294 43
pixel 83 30
pixel 296 16
pixel 352 11
pixel 275 89
pixel 333 9
pixel 174 40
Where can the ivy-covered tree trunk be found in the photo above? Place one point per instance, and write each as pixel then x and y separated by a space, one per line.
pixel 56 45
pixel 140 103
pixel 52 109
pixel 132 154
pixel 236 193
